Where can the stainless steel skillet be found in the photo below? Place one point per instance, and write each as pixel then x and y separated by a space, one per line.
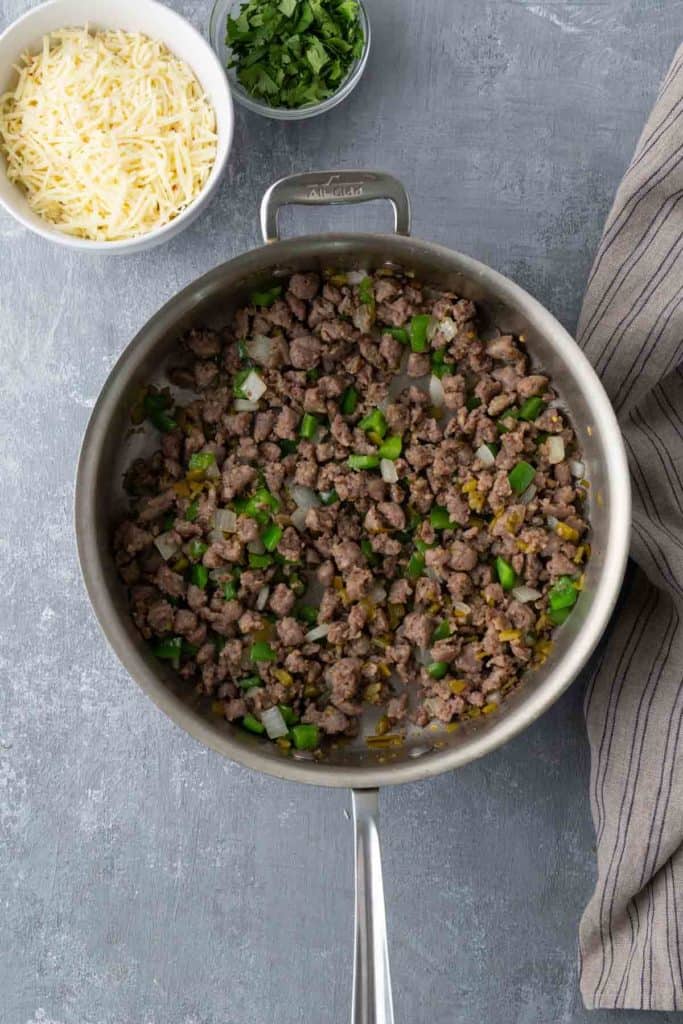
pixel 107 449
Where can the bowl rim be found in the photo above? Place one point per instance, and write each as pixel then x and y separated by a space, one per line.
pixel 294 113
pixel 52 234
pixel 506 726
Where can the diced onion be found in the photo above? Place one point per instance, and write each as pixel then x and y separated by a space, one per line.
pixel 418 751
pixel 525 594
pixel 225 519
pixel 274 723
pixel 555 447
pixel 485 455
pixel 436 392
pixel 447 328
pixel 317 633
pixel 378 594
pixel 260 348
pixel 166 545
pixel 215 535
pixel 262 598
pixel 254 386
pixel 388 470
pixel 256 546
pixel 244 405
pixel 461 609
pixel 494 697
pixel 577 469
pixel 552 522
pixel 212 471
pixel 356 276
pixel 432 328
pixel 528 494
pixel 299 519
pixel 304 497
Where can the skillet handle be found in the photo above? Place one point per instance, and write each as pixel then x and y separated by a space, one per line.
pixel 325 188
pixel 372 1002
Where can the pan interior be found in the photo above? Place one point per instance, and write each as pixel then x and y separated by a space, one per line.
pixel 110 445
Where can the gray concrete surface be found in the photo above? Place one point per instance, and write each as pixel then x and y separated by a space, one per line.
pixel 143 880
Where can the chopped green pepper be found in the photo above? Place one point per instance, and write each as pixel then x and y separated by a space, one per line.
pixel 199 575
pixel 419 326
pixel 559 615
pixel 289 714
pixel 202 460
pixel 197 548
pixel 399 333
pixel 563 594
pixel 162 421
pixel 329 497
pixel 363 461
pixel 262 651
pixel 531 408
pixel 287 446
pixel 391 447
pixel 249 682
pixel 506 421
pixel 252 724
pixel 267 298
pixel 349 401
pixel 271 536
pixel 521 476
pixel 230 590
pixel 437 669
pixel 366 291
pixel 192 511
pixel 375 423
pixel 305 737
pixel 440 519
pixel 506 574
pixel 307 613
pixel 169 650
pixel 442 631
pixel 472 403
pixel 416 566
pixel 308 426
pixel 369 552
pixel 259 561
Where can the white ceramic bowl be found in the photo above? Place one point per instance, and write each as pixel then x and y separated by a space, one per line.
pixel 156 21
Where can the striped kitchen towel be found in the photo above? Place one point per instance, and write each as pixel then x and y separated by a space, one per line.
pixel 631 329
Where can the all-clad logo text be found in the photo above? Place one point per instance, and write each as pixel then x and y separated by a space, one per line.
pixel 334 188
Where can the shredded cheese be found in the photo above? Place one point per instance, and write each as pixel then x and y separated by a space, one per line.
pixel 108 133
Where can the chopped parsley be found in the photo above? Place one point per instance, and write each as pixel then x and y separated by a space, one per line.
pixel 291 53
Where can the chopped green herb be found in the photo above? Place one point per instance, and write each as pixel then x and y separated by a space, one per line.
pixel 162 421
pixel 168 650
pixel 442 631
pixel 291 53
pixel 367 549
pixel 416 566
pixel 366 291
pixel 329 497
pixel 230 590
pixel 288 447
pixel 472 403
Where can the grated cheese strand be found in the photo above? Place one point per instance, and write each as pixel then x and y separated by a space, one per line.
pixel 108 133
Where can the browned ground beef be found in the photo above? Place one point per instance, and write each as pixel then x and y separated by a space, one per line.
pixel 416 582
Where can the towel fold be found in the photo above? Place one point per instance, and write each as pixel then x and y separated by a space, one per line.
pixel 631 328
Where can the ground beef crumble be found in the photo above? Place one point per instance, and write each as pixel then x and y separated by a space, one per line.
pixel 366 503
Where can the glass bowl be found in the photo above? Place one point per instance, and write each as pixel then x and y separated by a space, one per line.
pixel 217 34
